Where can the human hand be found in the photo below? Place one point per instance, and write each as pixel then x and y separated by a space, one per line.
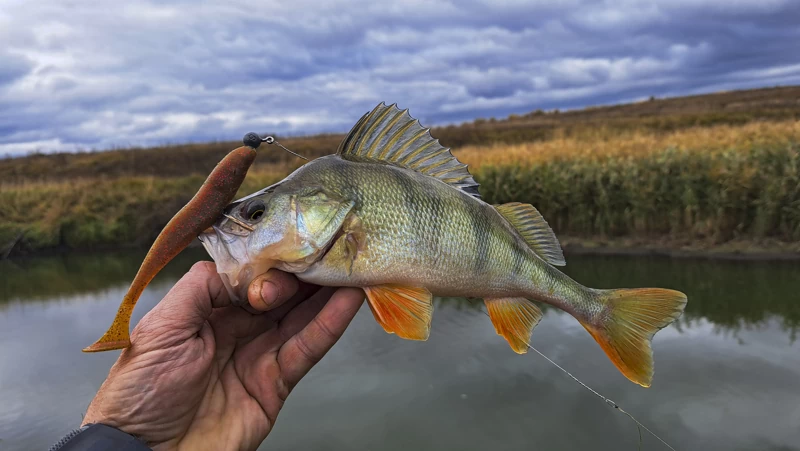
pixel 202 374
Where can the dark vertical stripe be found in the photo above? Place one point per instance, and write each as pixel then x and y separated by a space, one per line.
pixel 402 183
pixel 479 222
pixel 519 260
pixel 438 228
pixel 413 201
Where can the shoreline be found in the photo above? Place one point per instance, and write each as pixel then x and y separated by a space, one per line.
pixel 739 250
pixel 782 256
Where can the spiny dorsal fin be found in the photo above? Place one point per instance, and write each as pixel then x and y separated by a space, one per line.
pixel 391 136
pixel 535 230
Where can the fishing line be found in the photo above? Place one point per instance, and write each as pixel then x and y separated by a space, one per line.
pixel 639 425
pixel 272 140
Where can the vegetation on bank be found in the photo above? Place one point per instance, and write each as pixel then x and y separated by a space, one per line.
pixel 643 171
pixel 710 185
pixel 99 213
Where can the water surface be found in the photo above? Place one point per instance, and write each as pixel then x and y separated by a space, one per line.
pixel 727 374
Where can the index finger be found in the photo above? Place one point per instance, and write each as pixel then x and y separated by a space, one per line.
pixel 327 324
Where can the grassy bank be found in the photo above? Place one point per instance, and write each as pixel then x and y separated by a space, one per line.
pixel 98 213
pixel 710 185
pixel 698 186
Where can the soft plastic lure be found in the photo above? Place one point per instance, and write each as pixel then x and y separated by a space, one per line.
pixel 196 216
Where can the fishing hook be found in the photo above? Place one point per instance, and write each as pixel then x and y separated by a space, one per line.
pixel 253 140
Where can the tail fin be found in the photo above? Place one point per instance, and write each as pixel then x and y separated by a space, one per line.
pixel 627 324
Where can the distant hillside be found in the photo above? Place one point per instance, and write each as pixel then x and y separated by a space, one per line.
pixel 657 115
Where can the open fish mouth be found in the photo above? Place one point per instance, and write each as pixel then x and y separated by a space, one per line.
pixel 227 246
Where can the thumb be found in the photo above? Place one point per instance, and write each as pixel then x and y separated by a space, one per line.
pixel 184 310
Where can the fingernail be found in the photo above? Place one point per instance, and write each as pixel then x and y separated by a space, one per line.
pixel 269 293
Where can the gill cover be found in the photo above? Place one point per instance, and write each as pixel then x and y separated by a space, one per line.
pixel 293 231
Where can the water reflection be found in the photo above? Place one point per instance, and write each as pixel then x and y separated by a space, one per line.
pixel 57 276
pixel 726 376
pixel 731 295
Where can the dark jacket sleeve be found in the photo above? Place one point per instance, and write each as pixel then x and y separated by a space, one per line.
pixel 99 437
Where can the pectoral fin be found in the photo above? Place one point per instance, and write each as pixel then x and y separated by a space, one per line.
pixel 514 319
pixel 355 242
pixel 402 310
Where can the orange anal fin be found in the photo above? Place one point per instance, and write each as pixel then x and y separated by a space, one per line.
pixel 402 310
pixel 514 319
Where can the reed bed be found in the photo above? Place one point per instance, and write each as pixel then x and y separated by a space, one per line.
pixel 708 184
pixel 712 184
pixel 100 212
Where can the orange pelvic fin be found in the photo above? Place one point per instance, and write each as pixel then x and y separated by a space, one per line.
pixel 402 310
pixel 631 318
pixel 514 319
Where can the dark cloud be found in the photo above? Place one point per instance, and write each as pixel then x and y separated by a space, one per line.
pixel 13 67
pixel 73 75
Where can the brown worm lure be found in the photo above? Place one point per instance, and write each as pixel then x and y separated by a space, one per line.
pixel 197 215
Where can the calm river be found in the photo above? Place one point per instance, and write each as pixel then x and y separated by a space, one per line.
pixel 727 375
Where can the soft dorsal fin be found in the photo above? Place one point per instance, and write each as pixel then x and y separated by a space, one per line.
pixel 535 230
pixel 391 136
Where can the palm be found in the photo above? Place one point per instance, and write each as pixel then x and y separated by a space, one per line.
pixel 221 384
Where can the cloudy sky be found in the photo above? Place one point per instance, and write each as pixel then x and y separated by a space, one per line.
pixel 74 75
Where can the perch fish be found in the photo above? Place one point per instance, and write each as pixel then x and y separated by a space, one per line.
pixel 395 213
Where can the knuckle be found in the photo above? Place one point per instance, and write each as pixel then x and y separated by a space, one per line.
pixel 203 268
pixel 195 284
pixel 325 330
pixel 306 351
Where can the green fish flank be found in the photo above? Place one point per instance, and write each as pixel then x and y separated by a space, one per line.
pixel 395 213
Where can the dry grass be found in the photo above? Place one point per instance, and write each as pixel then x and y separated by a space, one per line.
pixel 602 143
pixel 703 184
pixel 100 212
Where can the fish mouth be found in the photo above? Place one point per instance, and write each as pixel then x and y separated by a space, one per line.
pixel 227 246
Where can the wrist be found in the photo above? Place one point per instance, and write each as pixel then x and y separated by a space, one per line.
pixel 98 436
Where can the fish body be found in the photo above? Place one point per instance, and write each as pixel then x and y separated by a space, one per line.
pixel 395 213
pixel 417 230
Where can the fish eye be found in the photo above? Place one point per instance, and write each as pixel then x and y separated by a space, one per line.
pixel 255 210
